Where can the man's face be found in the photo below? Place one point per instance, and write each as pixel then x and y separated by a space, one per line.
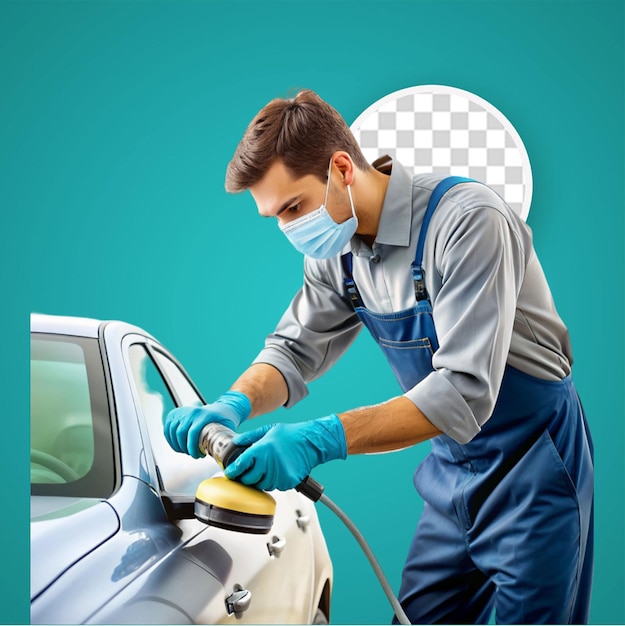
pixel 279 195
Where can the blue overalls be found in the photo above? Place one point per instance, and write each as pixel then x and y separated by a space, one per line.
pixel 507 519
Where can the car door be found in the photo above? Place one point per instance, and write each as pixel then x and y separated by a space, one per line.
pixel 277 569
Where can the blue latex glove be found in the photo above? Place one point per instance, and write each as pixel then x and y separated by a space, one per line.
pixel 280 456
pixel 183 425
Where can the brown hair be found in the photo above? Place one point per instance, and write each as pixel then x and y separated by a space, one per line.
pixel 303 132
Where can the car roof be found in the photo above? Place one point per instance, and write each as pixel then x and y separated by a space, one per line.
pixel 79 326
pixel 64 325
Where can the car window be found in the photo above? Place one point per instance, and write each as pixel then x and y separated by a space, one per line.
pixel 179 473
pixel 70 435
pixel 182 388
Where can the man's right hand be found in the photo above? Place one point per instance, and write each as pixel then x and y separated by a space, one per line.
pixel 183 425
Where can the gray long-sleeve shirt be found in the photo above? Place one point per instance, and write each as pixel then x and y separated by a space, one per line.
pixel 491 302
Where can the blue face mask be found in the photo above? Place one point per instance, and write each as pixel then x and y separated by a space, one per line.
pixel 317 235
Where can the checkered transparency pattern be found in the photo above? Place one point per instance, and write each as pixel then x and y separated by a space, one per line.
pixel 448 131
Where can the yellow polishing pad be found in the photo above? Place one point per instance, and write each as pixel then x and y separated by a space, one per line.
pixel 229 494
pixel 234 506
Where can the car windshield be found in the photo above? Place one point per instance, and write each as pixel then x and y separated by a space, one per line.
pixel 71 451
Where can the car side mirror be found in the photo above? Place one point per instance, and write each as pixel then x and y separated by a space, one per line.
pixel 178 506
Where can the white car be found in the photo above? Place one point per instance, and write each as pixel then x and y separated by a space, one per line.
pixel 113 536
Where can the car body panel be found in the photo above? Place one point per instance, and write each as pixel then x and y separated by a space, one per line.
pixel 64 532
pixel 121 559
pixel 104 571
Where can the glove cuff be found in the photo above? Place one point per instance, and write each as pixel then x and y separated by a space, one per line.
pixel 334 436
pixel 239 402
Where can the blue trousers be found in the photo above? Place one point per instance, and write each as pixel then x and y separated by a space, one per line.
pixel 507 523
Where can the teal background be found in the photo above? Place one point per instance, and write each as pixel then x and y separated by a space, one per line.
pixel 117 120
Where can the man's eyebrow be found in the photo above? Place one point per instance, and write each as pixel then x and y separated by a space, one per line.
pixel 290 202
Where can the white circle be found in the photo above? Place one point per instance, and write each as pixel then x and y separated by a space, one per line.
pixel 446 130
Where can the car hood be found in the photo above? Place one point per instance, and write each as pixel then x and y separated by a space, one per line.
pixel 62 531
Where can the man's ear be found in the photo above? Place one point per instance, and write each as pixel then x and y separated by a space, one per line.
pixel 343 162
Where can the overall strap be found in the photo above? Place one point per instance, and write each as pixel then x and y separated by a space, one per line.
pixel 418 275
pixel 347 261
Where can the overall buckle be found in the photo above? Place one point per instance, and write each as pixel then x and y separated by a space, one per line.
pixel 418 277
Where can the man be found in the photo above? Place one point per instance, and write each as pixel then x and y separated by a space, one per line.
pixel 446 279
